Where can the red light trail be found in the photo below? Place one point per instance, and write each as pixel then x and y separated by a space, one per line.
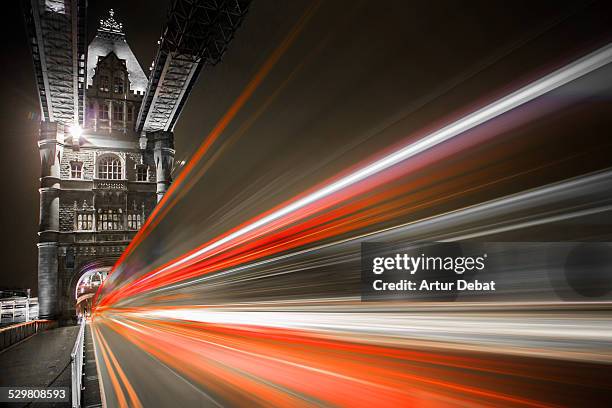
pixel 271 226
pixel 266 313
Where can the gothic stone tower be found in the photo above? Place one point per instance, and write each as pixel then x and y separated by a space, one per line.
pixel 98 186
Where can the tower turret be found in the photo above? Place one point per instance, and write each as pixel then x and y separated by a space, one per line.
pixel 50 144
pixel 163 156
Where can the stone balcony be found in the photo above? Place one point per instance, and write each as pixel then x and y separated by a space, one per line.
pixel 99 236
pixel 121 185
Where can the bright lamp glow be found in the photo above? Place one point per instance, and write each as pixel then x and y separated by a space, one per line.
pixel 76 131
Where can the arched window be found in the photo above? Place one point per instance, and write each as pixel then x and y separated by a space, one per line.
pixel 109 168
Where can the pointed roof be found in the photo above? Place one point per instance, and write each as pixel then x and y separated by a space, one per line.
pixel 111 38
pixel 110 25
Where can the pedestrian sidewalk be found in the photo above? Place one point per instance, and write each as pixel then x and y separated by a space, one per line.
pixel 42 360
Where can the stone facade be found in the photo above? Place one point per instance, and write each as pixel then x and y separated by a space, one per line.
pixel 98 186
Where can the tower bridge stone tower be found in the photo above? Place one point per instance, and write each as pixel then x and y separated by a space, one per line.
pixel 106 136
pixel 98 183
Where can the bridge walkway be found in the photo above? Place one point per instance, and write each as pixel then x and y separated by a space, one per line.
pixel 42 360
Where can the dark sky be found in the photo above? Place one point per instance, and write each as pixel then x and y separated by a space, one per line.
pixel 356 67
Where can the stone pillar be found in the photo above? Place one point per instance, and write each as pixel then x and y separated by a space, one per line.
pixel 163 155
pixel 50 145
pixel 48 280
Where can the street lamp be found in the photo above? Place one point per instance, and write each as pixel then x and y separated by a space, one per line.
pixel 75 131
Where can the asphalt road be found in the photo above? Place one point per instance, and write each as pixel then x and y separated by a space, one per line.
pixel 164 362
pixel 154 383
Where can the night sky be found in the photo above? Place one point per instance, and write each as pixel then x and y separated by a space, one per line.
pixel 364 63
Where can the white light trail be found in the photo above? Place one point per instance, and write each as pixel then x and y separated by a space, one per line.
pixel 556 79
pixel 520 331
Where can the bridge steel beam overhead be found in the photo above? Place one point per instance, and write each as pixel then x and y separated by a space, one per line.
pixel 57 33
pixel 197 32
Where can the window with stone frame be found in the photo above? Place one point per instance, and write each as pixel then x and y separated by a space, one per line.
pixel 141 172
pixel 118 84
pixel 130 113
pixel 91 111
pixel 84 220
pixel 104 111
pixel 110 219
pixel 134 221
pixel 76 170
pixel 109 168
pixel 118 111
pixel 104 83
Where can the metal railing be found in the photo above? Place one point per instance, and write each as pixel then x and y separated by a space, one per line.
pixel 76 363
pixel 15 333
pixel 18 309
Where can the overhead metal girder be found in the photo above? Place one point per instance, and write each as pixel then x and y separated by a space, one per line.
pixel 57 34
pixel 198 32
